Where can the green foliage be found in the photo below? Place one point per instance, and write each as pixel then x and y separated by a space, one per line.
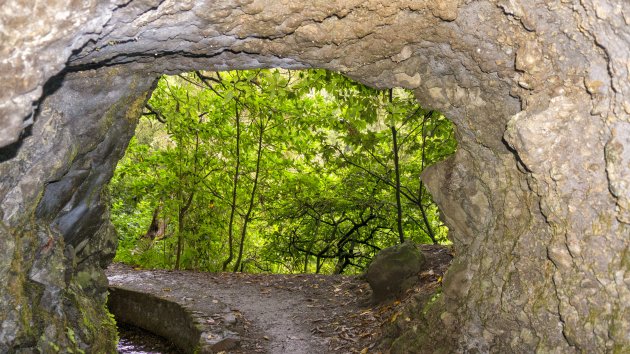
pixel 276 171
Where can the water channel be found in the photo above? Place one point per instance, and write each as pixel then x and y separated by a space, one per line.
pixel 134 340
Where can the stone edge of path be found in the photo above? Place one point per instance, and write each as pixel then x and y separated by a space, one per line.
pixel 191 331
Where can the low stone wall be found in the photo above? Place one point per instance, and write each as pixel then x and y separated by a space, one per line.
pixel 157 315
pixel 166 318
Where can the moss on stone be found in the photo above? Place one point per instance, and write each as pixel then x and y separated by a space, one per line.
pixel 95 327
pixel 429 304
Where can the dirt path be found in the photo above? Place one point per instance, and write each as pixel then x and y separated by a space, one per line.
pixel 281 316
pixel 275 313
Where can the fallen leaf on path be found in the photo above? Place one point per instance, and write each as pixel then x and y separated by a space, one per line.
pixel 394 317
pixel 347 337
pixel 365 334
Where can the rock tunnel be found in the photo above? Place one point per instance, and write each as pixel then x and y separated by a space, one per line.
pixel 537 197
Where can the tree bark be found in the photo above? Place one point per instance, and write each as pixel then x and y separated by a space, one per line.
pixel 234 186
pixel 251 198
pixel 157 229
pixel 183 209
pixel 401 235
pixel 427 224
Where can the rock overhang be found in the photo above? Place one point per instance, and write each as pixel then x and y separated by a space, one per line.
pixel 480 63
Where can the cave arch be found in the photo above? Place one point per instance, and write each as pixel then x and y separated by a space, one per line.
pixel 539 179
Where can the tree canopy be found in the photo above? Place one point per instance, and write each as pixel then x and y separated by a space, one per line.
pixel 276 171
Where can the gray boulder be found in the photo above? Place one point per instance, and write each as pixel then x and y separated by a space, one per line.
pixel 394 270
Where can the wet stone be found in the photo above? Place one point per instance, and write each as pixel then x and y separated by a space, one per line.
pixel 134 340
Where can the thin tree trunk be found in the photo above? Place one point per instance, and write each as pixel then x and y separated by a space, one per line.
pixel 185 203
pixel 179 198
pixel 157 228
pixel 183 209
pixel 180 232
pixel 234 186
pixel 307 255
pixel 251 198
pixel 427 224
pixel 401 235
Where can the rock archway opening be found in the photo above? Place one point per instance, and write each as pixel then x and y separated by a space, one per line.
pixel 276 171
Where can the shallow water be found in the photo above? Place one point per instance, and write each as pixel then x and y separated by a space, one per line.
pixel 134 340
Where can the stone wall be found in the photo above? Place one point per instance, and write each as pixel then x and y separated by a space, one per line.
pixel 537 197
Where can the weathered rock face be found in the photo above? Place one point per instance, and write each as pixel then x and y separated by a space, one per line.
pixel 537 196
pixel 56 235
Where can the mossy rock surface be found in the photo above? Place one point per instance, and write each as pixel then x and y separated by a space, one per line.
pixel 394 270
